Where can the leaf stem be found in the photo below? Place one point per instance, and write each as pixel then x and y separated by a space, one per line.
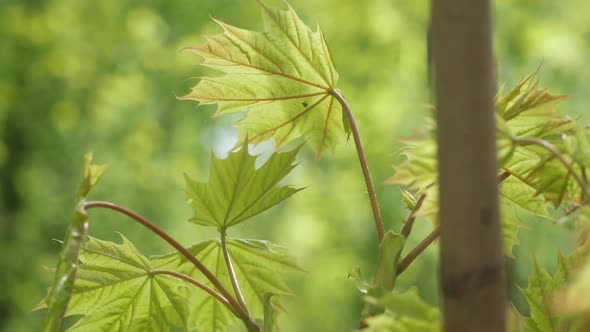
pixel 503 176
pixel 412 255
pixel 199 284
pixel 407 228
pixel 363 161
pixel 557 154
pixel 244 316
pixel 231 271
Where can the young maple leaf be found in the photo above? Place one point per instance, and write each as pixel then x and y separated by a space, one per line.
pixel 237 190
pixel 283 77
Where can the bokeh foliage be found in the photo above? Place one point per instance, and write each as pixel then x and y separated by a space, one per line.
pixel 102 75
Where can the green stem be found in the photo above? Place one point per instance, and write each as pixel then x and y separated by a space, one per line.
pixel 243 315
pixel 199 284
pixel 363 161
pixel 557 154
pixel 67 268
pixel 232 272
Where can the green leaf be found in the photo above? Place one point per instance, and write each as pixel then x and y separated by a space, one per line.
pixel 578 146
pixel 530 111
pixel 390 250
pixel 537 295
pixel 237 190
pixel 59 295
pixel 408 199
pixel 524 111
pixel 405 312
pixel 259 266
pixel 517 200
pixel 357 276
pixel 545 296
pixel 539 169
pixel 282 78
pixel 418 170
pixel 92 173
pixel 574 271
pixel 116 289
pixel 271 311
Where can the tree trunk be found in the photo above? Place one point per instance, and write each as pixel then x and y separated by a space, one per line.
pixel 472 264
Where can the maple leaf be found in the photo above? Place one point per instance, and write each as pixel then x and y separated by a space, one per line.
pixel 525 111
pixel 117 289
pixel 418 170
pixel 405 312
pixel 529 112
pixel 574 297
pixel 258 266
pixel 237 190
pixel 517 200
pixel 283 77
pixel 554 300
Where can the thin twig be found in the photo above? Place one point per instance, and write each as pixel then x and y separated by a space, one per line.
pixel 503 176
pixel 363 161
pixel 244 315
pixel 199 284
pixel 557 154
pixel 407 228
pixel 406 261
pixel 412 255
pixel 232 272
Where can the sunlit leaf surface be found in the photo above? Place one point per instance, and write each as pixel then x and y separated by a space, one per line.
pixel 116 290
pixel 237 190
pixel 259 266
pixel 282 77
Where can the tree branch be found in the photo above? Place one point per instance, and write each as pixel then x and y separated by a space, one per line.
pixel 406 261
pixel 412 255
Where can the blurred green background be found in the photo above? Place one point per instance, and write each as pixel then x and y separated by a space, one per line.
pixel 102 75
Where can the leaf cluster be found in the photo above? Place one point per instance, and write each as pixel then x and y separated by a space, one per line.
pixel 531 175
pixel 118 288
pixel 284 80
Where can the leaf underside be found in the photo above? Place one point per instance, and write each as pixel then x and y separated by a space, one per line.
pixel 259 266
pixel 282 78
pixel 404 312
pixel 115 291
pixel 237 190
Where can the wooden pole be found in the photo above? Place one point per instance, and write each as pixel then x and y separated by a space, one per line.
pixel 472 265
